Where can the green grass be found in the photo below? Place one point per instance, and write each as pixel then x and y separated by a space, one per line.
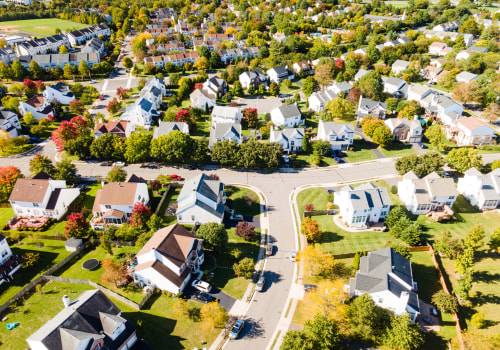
pixel 50 254
pixel 171 198
pixel 5 215
pixel 397 149
pixel 88 200
pixel 42 26
pixel 293 89
pixel 224 277
pixel 304 161
pixel 360 152
pixel 67 156
pixel 244 201
pixel 489 149
pixel 16 150
pixel 316 196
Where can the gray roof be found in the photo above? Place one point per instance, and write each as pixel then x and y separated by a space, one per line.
pixel 420 89
pixel 361 73
pixel 221 130
pixel 393 123
pixel 281 70
pixel 478 49
pixel 466 76
pixel 287 133
pixel 165 128
pixel 289 111
pixel 324 96
pixel 73 242
pixel 395 81
pixel 207 187
pixel 337 128
pixel 368 196
pixel 431 186
pixel 225 111
pixel 490 187
pixel 343 86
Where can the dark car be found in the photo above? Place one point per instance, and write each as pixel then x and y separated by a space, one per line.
pixel 169 93
pixel 194 167
pixel 204 297
pixel 310 287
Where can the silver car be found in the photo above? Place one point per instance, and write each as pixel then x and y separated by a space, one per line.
pixel 260 284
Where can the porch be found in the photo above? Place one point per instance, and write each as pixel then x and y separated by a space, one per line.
pixel 111 217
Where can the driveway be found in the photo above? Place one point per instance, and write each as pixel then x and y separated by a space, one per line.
pixel 225 300
pixel 252 220
pixel 419 150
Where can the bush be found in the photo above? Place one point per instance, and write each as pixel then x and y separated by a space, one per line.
pixel 244 268
pixel 309 207
pixel 243 229
pixel 477 320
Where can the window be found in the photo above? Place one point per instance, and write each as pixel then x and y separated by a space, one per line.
pixel 35 205
pixel 180 217
pixel 107 206
pixel 451 197
pixel 192 217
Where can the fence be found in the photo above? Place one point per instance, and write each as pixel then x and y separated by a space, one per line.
pixel 165 194
pixel 4 205
pixel 318 212
pixel 64 261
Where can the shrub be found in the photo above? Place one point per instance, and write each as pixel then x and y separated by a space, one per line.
pixel 244 268
pixel 309 207
pixel 243 229
pixel 477 320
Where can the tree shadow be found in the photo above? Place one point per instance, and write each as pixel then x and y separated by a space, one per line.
pixel 151 301
pixel 253 329
pixel 329 237
pixel 486 276
pixel 398 146
pixel 480 299
pixel 434 341
pixel 485 254
pixel 271 278
pixel 427 278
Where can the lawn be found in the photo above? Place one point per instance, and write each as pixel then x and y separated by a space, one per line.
pixel 244 201
pixel 316 196
pixel 88 200
pixel 42 26
pixel 224 277
pixel 360 152
pixel 171 198
pixel 50 254
pixel 16 150
pixel 304 161
pixel 75 270
pixel 397 149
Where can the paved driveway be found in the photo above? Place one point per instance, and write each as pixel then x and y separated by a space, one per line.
pixel 225 300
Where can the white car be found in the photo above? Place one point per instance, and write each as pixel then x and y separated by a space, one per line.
pixel 202 286
pixel 293 255
pixel 119 164
pixel 93 82
pixel 260 284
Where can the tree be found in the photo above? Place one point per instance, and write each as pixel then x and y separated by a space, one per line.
pixel 470 26
pixel 448 245
pixel 297 340
pixel 323 331
pixel 436 136
pixel 367 321
pixel 420 165
pixel 310 228
pixel 155 223
pixel 251 117
pixel 41 163
pixel 108 147
pixel 185 116
pixel 321 147
pixel 356 261
pixel 318 262
pixel 310 86
pixel 274 89
pixel 127 62
pixel 212 316
pixel 18 71
pixel 492 112
pixel 63 49
pixel 77 107
pixel 462 159
pixel 372 86
pixel 137 147
pixel 77 226
pixel 140 215
pixel 323 75
pixel 341 109
pixel 245 230
pixel 116 174
pixel 68 72
pixel 114 106
pixel 445 302
pixel 36 71
pixel 5 141
pixel 114 273
pixel 65 170
pixel 370 125
pixel 237 89
pixel 478 321
pixel 8 178
pixel 176 147
pixel 395 214
pixel 30 259
pixel 382 136
pixel 463 287
pixel 226 153
pixel 464 262
pixel 329 300
pixel 121 93
pixel 372 52
pixel 83 68
pixel 244 268
pixel 403 334
pixel 214 235
pixel 494 242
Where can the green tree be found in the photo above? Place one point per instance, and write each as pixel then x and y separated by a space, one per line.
pixel 116 174
pixel 244 268
pixel 306 145
pixel 470 26
pixel 296 340
pixel 478 321
pixel 69 72
pixel 310 86
pixel 464 261
pixel 127 62
pixel 323 331
pixel 108 147
pixel 445 302
pixel 372 52
pixel 474 237
pixel 65 170
pixel 41 163
pixel 171 148
pixel 395 214
pixel 79 146
pixel 372 86
pixel 420 165
pixel 18 70
pixel 369 126
pixel 238 89
pixel 321 147
pixel 226 153
pixel 436 136
pixel 274 89
pixel 403 334
pixel 494 242
pixel 138 147
pixel 356 261
pixel 382 136
pixel 214 235
pixel 462 159
pixel 63 49
pixel 365 320
pixel 84 69
pixel 37 72
pixel 463 287
pixel 341 109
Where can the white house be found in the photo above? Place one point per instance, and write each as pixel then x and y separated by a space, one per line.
pixel 225 114
pixel 280 37
pixel 362 205
pixel 58 92
pixel 201 200
pixel 55 60
pixel 289 138
pixel 318 100
pixel 340 135
pixel 288 116
pixel 224 131
pixel 448 26
pixel 417 92
pixel 442 107
pixel 470 131
pixel 120 128
pixel 216 86
pixel 42 45
pixel 482 191
pixel 80 36
pixel 165 128
pixel 255 77
pixel 114 202
pixel 343 87
pixel 38 107
pixel 9 122
pixel 140 113
pixel 396 87
pixel 9 264
pixel 436 48
pixel 280 73
pixel 42 198
pixel 304 67
pixel 468 38
pixel 167 260
pixel 431 73
pixel 405 130
pixel 368 107
pixel 399 66
pixel 7 55
pixel 203 98
pixel 94 45
pixel 387 277
pixel 465 77
pixel 91 322
pixel 427 194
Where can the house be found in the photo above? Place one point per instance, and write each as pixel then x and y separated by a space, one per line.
pixel 7 55
pixel 470 131
pixel 216 86
pixel 368 107
pixel 361 73
pixel 9 122
pixel 120 128
pixel 225 114
pixel 304 68
pixel 288 116
pixel 318 100
pixel 168 259
pixel 42 45
pixel 47 198
pixel 38 107
pixel 397 87
pixel 448 26
pixel 442 107
pixel 465 77
pixel 437 48
pixel 340 135
pixel 140 113
pixel 399 66
pixel 78 37
pixel 165 128
pixel 9 263
pixel 255 77
pixel 94 45
pixel 230 55
pixel 201 200
pixel 417 92
pixel 91 322
pixel 114 202
pixel 438 62
pixel 203 98
pixel 289 138
pixel 55 60
pixel 405 130
pixel 362 205
pixel 280 37
pixel 431 73
pixel 224 131
pixel 387 277
pixel 280 73
pixel 343 87
pixel 482 191
pixel 58 92
pixel 442 35
pixel 427 194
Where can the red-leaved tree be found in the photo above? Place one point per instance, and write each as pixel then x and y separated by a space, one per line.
pixel 309 207
pixel 122 93
pixel 140 215
pixel 77 226
pixel 184 116
pixel 114 273
pixel 40 85
pixel 114 106
pixel 8 177
pixel 339 65
pixel 251 117
pixel 245 230
pixel 29 88
pixel 66 131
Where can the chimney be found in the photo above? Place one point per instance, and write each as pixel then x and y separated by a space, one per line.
pixel 66 301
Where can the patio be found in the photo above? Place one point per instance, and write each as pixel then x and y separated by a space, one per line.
pixel 373 226
pixel 8 268
pixel 34 222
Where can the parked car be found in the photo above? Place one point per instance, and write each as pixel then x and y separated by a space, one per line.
pixel 92 81
pixel 202 286
pixel 169 93
pixel 236 217
pixel 237 327
pixel 293 255
pixel 101 98
pixel 204 297
pixel 175 177
pixel 422 145
pixel 260 284
pixel 269 249
pixel 434 312
pixel 119 164
pixel 310 287
pixel 105 164
pixel 194 167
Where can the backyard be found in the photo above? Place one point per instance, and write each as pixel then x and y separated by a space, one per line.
pixel 41 26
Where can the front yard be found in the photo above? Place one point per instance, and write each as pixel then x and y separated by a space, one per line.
pixel 243 200
pixel 360 152
pixel 397 149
